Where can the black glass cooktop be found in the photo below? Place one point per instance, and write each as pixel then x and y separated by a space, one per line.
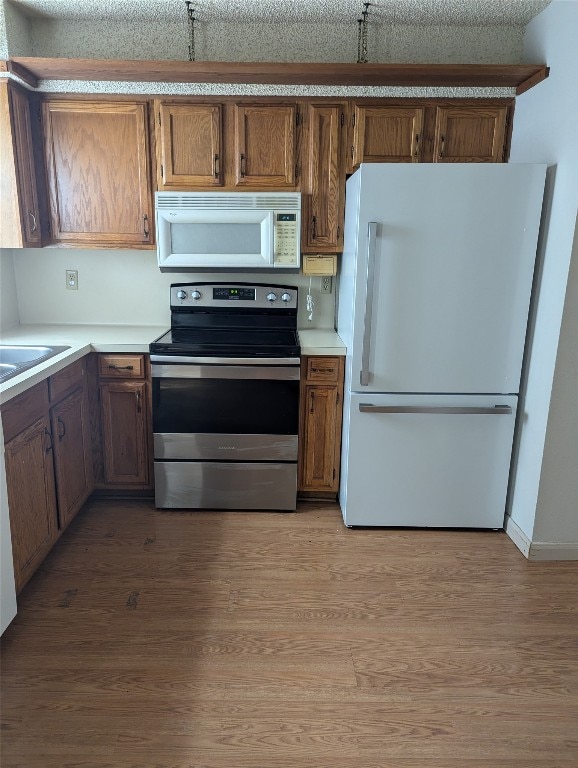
pixel 227 342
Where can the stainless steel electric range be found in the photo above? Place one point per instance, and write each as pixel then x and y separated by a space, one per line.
pixel 226 398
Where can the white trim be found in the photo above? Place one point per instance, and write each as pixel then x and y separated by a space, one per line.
pixel 518 536
pixel 551 550
pixel 540 550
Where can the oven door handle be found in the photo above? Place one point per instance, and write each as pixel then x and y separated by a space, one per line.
pixel 184 371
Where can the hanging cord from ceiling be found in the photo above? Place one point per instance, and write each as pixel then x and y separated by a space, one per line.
pixel 362 35
pixel 191 18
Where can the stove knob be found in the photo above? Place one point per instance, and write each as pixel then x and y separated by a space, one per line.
pixel 181 294
pixel 286 297
pixel 196 295
pixel 271 297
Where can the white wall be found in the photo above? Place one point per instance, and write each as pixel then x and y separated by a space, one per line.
pixel 125 288
pixel 544 501
pixel 8 297
pixel 557 508
pixel 266 41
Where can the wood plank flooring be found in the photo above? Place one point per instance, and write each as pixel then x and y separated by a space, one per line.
pixel 272 640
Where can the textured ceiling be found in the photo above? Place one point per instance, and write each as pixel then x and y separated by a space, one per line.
pixel 414 12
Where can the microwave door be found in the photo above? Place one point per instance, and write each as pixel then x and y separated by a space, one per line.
pixel 211 239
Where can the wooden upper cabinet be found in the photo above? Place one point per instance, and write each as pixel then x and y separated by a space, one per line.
pixel 467 134
pixel 323 191
pixel 189 144
pixel 265 145
pixel 386 134
pixel 20 209
pixel 98 172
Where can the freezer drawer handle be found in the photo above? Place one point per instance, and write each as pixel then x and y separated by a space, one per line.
pixel 493 411
pixel 369 280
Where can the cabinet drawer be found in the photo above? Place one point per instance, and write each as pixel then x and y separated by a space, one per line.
pixel 322 369
pixel 66 380
pixel 22 411
pixel 121 366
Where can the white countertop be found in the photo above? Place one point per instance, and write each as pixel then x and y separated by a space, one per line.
pixel 320 341
pixel 83 339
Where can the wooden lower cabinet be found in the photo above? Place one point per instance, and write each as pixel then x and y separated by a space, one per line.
pixel 72 454
pixel 48 464
pixel 31 498
pixel 320 429
pixel 124 395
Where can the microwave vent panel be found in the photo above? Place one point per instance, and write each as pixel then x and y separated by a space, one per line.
pixel 224 201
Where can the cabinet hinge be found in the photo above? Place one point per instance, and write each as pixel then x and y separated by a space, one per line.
pixel 342 118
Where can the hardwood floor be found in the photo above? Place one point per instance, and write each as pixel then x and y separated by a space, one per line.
pixel 280 640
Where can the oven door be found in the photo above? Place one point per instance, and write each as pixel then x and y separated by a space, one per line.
pixel 225 434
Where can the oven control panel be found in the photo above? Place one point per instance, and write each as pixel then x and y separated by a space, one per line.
pixel 251 296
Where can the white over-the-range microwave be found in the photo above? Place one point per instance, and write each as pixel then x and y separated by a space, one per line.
pixel 228 230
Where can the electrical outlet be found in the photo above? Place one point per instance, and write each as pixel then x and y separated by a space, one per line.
pixel 326 286
pixel 72 279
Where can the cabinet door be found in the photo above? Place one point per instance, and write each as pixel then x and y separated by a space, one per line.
pixel 20 209
pixel 323 201
pixel 124 408
pixel 318 450
pixel 72 455
pixel 265 145
pixel 383 134
pixel 98 172
pixel 470 134
pixel 31 498
pixel 189 144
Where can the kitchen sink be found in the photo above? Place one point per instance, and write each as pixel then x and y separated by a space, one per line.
pixel 15 359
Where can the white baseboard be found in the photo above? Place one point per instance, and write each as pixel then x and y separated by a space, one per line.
pixel 518 536
pixel 539 550
pixel 551 550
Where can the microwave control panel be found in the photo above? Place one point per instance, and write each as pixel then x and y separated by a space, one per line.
pixel 287 239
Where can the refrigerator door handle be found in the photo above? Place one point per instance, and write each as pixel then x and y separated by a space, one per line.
pixel 496 410
pixel 369 283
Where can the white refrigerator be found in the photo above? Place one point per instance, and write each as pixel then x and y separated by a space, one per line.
pixel 434 293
